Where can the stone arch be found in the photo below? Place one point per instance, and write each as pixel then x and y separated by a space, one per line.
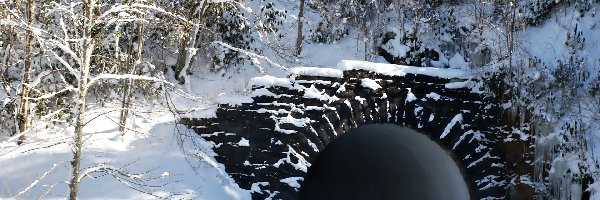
pixel 384 161
pixel 268 143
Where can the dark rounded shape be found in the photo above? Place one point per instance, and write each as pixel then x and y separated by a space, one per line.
pixel 384 162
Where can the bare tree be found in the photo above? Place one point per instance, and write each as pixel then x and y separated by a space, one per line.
pixel 127 93
pixel 78 56
pixel 7 46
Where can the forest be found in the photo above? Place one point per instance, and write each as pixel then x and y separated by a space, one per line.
pixel 91 87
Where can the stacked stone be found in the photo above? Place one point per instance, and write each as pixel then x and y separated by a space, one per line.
pixel 267 145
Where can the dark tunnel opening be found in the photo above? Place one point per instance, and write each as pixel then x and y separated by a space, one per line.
pixel 384 162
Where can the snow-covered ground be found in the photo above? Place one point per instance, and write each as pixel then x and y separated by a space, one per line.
pixel 148 157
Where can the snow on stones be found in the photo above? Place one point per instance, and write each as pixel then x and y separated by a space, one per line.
pixel 384 96
pixel 458 84
pixel 302 164
pixel 487 155
pixel 410 96
pixel 244 142
pixel 317 71
pixel 457 118
pixel 293 181
pixel 491 181
pixel 402 70
pixel 418 110
pixel 233 99
pixel 461 138
pixel 302 122
pixel 314 93
pixel 276 112
pixel 341 89
pixel 270 81
pixel 256 187
pixel 370 83
pixel 262 92
pixel 433 95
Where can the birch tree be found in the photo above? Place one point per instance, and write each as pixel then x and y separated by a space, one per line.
pixel 87 47
pixel 23 115
pixel 133 62
pixel 80 30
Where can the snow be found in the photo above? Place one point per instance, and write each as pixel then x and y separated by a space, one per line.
pixel 462 137
pixel 458 84
pixel 457 118
pixel 370 83
pixel 317 71
pixel 401 70
pixel 396 48
pixel 234 99
pixel 410 96
pixel 262 92
pixel 293 181
pixel 458 62
pixel 341 89
pixel 314 93
pixel 485 156
pixel 256 187
pixel 418 110
pixel 270 81
pixel 244 142
pixel 151 154
pixel 433 95
pixel 301 165
pixel 5 101
pixel 279 129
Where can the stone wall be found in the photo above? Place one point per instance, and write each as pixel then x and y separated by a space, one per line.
pixel 267 145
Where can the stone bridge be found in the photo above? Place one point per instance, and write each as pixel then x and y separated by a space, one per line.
pixel 268 143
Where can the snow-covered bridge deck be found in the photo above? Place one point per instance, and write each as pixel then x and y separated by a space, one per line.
pixel 268 142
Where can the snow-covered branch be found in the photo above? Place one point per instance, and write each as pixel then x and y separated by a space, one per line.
pixel 70 68
pixel 39 77
pixel 137 181
pixel 34 183
pixel 50 95
pixel 163 11
pixel 252 55
pixel 67 50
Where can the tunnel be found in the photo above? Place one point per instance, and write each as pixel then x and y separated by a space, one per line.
pixel 384 161
pixel 270 145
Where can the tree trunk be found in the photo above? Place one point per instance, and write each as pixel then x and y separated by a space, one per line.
pixel 88 47
pixel 6 86
pixel 188 41
pixel 126 102
pixel 181 57
pixel 23 115
pixel 365 38
pixel 299 38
